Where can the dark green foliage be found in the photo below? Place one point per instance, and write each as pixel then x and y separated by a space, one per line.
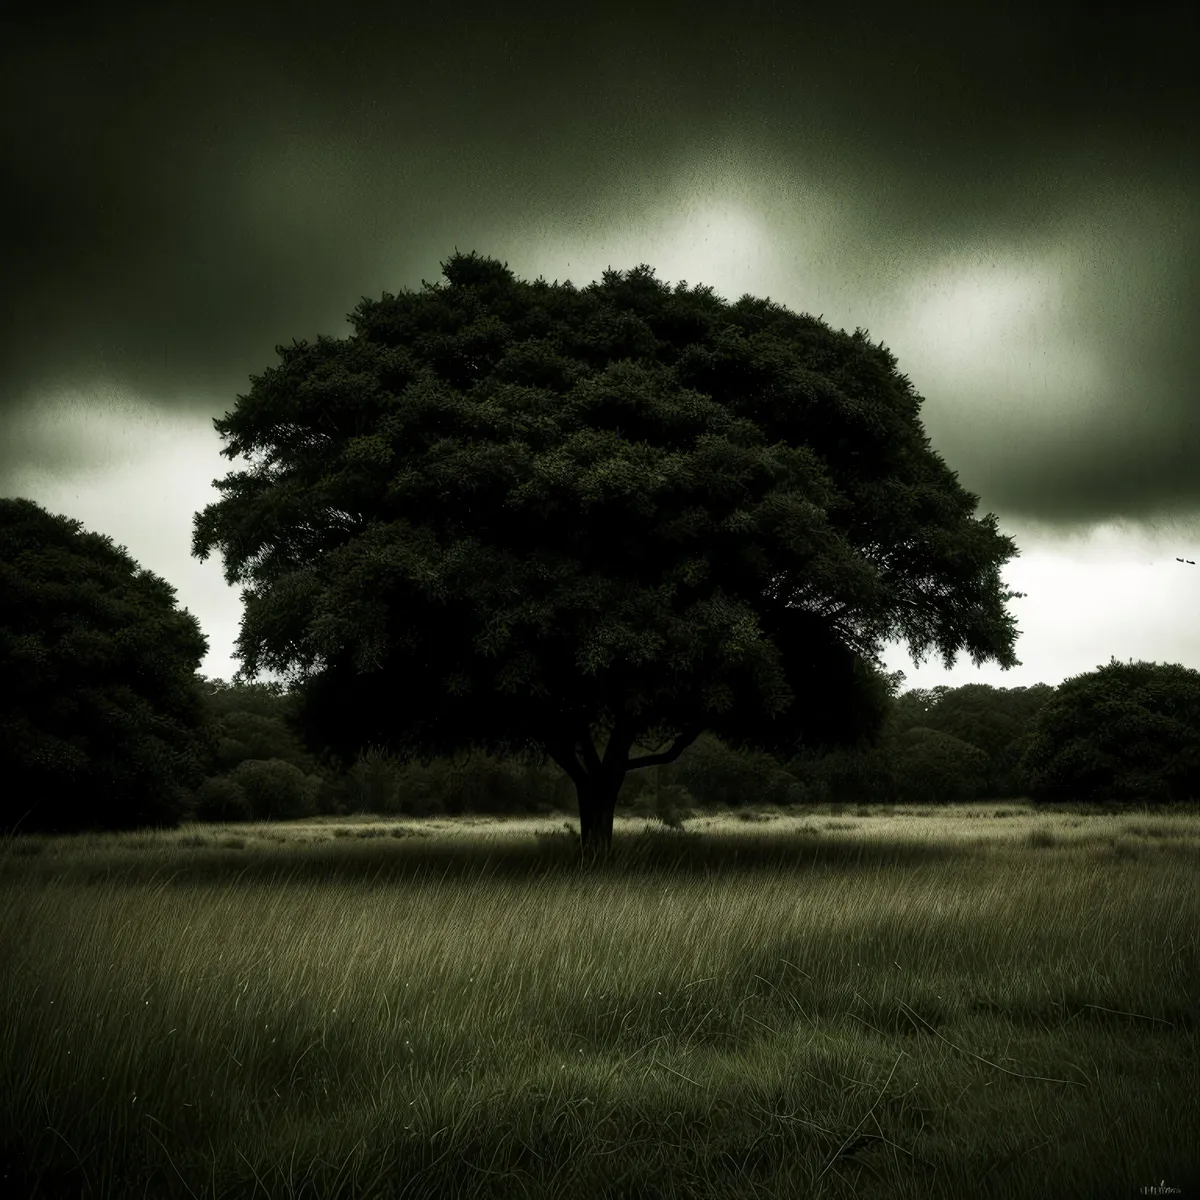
pixel 246 735
pixel 936 768
pixel 850 774
pixel 717 776
pixel 374 785
pixel 248 723
pixel 220 798
pixel 473 786
pixel 484 785
pixel 518 517
pixel 993 719
pixel 276 790
pixel 102 721
pixel 269 700
pixel 249 720
pixel 1125 733
pixel 251 724
pixel 931 746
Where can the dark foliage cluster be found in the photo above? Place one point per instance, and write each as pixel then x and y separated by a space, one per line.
pixel 101 723
pixel 504 516
pixel 940 746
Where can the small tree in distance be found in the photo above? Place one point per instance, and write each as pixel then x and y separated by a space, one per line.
pixel 563 524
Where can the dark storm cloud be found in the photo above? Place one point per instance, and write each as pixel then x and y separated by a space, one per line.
pixel 192 187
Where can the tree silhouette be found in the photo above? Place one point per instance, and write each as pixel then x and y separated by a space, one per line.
pixel 1127 732
pixel 556 523
pixel 102 719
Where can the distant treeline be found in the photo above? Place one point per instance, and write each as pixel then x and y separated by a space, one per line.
pixel 940 746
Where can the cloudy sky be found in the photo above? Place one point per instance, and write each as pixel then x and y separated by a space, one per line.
pixel 1009 203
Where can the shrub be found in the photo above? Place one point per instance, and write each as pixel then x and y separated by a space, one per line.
pixel 220 799
pixel 720 777
pixel 482 784
pixel 937 768
pixel 374 783
pixel 276 790
pixel 479 785
pixel 844 776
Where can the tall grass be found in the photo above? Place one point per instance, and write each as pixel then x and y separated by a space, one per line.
pixel 773 1008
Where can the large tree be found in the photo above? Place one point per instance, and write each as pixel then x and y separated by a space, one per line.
pixel 102 717
pixel 549 522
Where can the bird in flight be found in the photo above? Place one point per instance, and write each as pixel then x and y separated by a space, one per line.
pixel 1189 561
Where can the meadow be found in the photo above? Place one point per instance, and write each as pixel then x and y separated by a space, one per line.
pixel 980 1001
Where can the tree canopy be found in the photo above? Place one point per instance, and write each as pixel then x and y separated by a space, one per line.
pixel 1125 733
pixel 102 723
pixel 995 720
pixel 517 516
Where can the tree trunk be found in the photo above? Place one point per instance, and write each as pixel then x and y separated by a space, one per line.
pixel 597 803
pixel 598 781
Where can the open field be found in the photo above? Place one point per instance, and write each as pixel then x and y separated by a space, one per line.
pixel 981 1002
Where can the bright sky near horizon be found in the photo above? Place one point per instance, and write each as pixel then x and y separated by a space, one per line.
pixel 1010 207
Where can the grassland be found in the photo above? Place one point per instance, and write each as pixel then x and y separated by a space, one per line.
pixel 982 1002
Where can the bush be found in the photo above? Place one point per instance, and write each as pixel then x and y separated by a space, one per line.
pixel 478 785
pixel 417 790
pixel 937 768
pixel 846 776
pixel 720 777
pixel 544 789
pixel 220 799
pixel 334 796
pixel 276 790
pixel 374 784
pixel 482 784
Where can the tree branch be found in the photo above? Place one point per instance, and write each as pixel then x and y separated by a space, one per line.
pixel 682 742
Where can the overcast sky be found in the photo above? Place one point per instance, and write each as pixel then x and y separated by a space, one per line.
pixel 1009 203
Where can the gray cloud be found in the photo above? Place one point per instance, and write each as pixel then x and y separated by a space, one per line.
pixel 1007 202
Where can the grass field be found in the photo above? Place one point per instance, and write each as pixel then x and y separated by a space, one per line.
pixel 978 1003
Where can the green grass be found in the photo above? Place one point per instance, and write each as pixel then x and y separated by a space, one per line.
pixel 894 1006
